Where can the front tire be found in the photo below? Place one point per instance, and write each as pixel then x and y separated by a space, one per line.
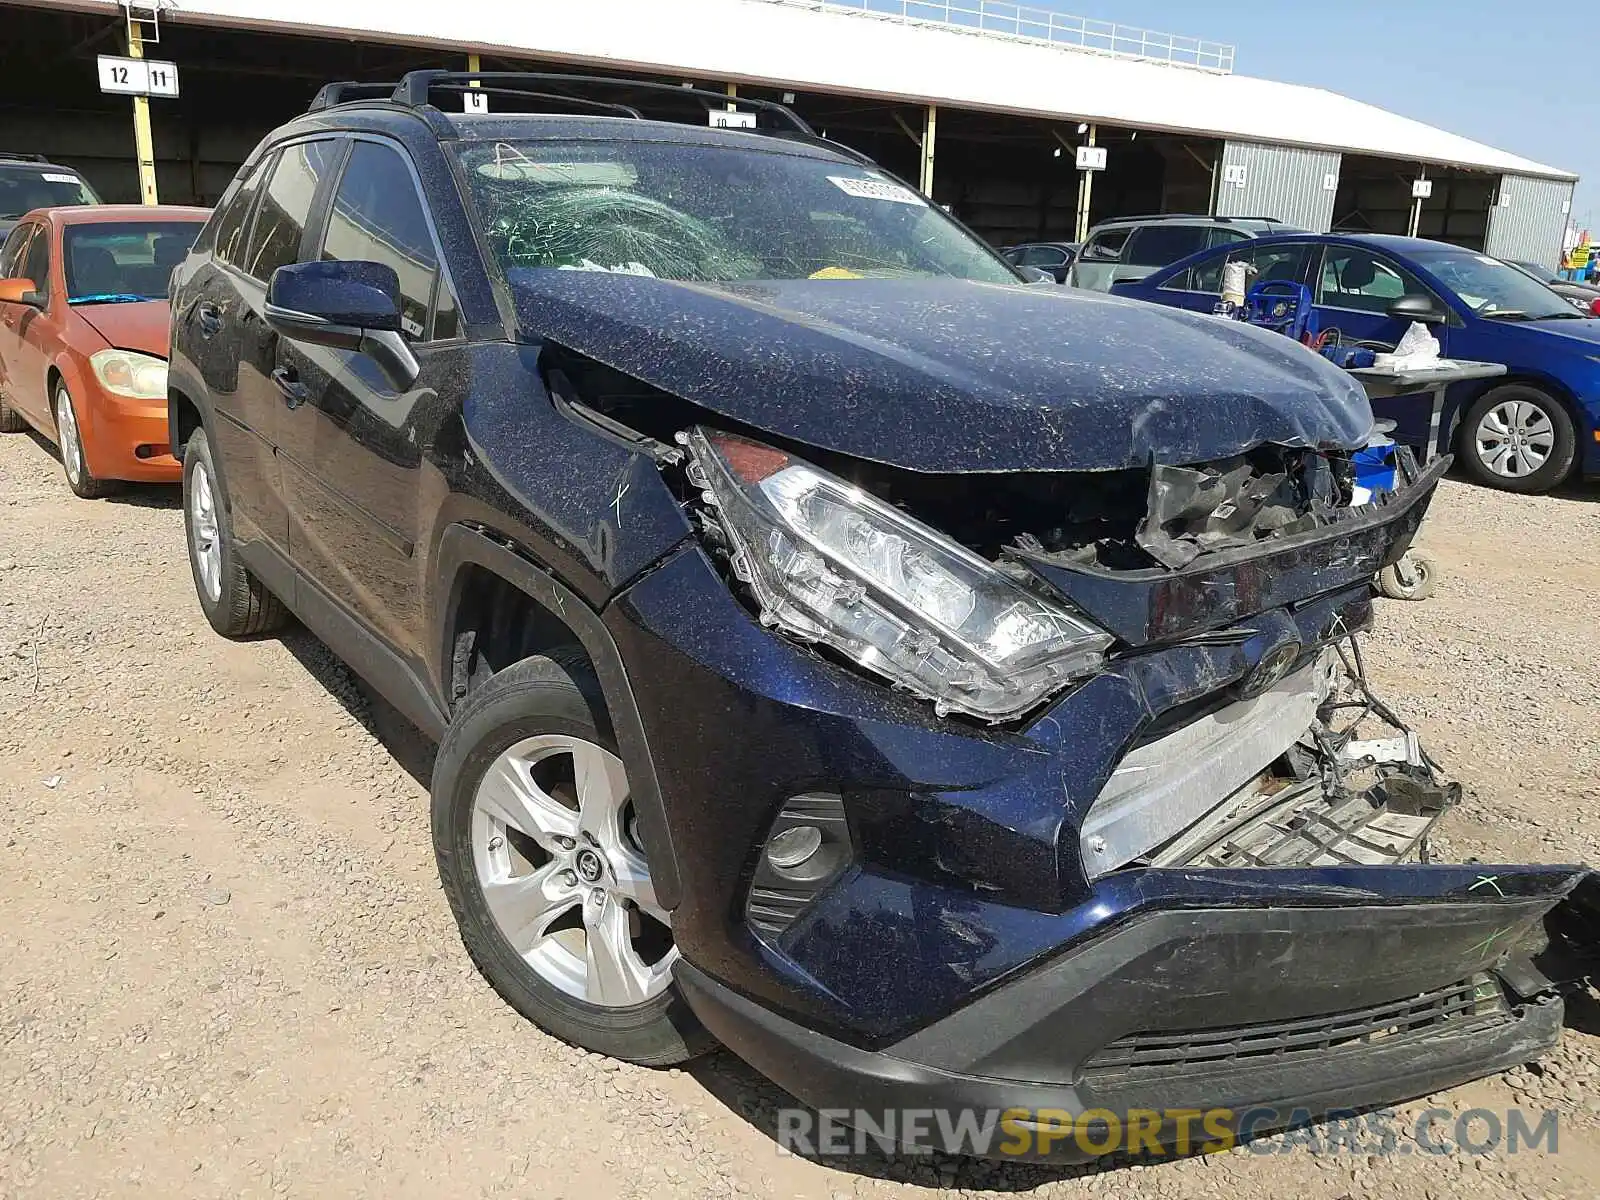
pixel 235 602
pixel 1518 438
pixel 538 853
pixel 69 441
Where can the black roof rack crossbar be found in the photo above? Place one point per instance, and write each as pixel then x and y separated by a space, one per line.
pixel 414 88
pixel 21 156
pixel 621 110
pixel 344 93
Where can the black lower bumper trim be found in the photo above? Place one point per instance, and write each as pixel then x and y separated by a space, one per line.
pixel 827 1074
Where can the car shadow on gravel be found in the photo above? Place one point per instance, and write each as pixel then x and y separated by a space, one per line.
pixel 135 495
pixel 758 1101
pixel 410 748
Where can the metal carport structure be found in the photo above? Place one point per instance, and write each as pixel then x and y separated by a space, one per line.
pixel 976 115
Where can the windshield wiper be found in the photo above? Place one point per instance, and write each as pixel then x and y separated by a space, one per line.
pixel 1562 315
pixel 1507 314
pixel 108 298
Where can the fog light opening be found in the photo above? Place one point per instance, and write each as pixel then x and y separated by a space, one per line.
pixel 793 847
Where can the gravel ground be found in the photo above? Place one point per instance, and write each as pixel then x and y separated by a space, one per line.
pixel 226 968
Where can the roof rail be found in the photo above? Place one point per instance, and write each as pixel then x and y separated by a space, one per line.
pixel 347 91
pixel 20 156
pixel 415 88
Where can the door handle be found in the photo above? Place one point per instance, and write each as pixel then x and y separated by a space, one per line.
pixel 294 392
pixel 209 317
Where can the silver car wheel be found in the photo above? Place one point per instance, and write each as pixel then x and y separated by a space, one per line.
pixel 561 871
pixel 1515 438
pixel 204 534
pixel 71 443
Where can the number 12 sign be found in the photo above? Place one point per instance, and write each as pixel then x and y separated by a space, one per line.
pixel 137 76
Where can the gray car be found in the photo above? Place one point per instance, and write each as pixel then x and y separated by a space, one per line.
pixel 1584 296
pixel 1130 248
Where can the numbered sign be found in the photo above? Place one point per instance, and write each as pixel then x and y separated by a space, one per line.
pixel 475 100
pixel 1421 189
pixel 163 78
pixel 137 76
pixel 720 118
pixel 1091 158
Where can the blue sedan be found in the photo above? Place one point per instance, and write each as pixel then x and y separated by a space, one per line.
pixel 1525 431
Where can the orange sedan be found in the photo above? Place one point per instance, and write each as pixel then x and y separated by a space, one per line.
pixel 84 325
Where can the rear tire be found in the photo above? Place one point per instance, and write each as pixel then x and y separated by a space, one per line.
pixel 74 462
pixel 11 421
pixel 513 787
pixel 235 602
pixel 1518 438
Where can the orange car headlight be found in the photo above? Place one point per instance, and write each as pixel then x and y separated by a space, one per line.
pixel 128 373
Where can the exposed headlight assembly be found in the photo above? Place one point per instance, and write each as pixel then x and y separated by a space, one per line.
pixel 129 373
pixel 829 563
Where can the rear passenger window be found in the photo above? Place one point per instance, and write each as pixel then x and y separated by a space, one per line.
pixel 378 216
pixel 233 223
pixel 1107 246
pixel 1162 245
pixel 285 206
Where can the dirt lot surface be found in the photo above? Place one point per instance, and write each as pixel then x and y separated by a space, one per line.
pixel 226 969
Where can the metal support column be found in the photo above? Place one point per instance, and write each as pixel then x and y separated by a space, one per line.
pixel 1085 196
pixel 733 92
pixel 930 130
pixel 144 145
pixel 1416 206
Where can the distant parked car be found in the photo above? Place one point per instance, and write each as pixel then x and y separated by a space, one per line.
pixel 1129 248
pixel 1525 431
pixel 1584 296
pixel 30 181
pixel 83 337
pixel 1053 258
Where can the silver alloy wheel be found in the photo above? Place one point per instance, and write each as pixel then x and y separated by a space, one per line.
pixel 563 876
pixel 67 431
pixel 204 534
pixel 1515 438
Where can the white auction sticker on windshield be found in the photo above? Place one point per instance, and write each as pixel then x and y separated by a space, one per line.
pixel 52 177
pixel 875 189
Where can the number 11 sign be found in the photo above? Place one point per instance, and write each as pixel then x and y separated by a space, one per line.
pixel 137 76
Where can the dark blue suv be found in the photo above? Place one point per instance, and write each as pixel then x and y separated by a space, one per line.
pixel 942 691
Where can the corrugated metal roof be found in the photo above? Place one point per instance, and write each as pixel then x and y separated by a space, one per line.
pixel 828 50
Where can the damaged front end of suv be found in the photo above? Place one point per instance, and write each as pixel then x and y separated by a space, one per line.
pixel 1052 779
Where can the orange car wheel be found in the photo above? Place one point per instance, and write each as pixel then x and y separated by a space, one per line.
pixel 70 442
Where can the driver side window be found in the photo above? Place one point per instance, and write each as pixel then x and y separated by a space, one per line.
pixel 377 216
pixel 12 255
pixel 1354 279
pixel 36 263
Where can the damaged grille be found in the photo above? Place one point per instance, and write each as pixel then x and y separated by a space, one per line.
pixel 1304 827
pixel 1475 1003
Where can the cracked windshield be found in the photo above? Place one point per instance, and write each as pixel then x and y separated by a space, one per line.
pixel 711 214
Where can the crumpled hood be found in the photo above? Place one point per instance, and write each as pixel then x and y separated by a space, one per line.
pixel 951 375
pixel 145 326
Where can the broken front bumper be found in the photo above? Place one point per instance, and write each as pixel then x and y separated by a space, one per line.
pixel 1264 996
pixel 972 952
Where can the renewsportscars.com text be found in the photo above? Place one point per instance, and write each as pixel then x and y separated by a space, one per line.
pixel 1028 1133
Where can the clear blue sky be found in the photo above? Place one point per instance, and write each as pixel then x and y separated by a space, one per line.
pixel 1514 75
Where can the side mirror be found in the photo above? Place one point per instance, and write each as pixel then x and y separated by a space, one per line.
pixel 1033 275
pixel 347 305
pixel 21 291
pixel 1418 308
